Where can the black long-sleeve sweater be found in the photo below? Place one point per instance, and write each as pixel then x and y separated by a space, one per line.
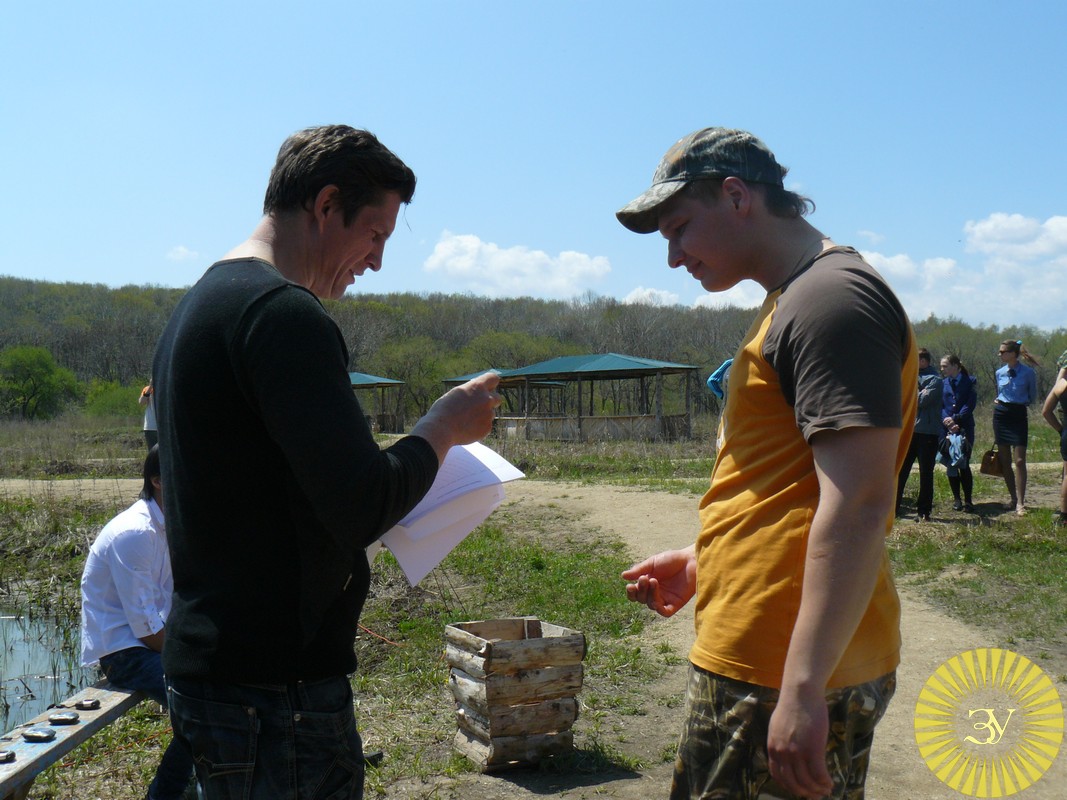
pixel 272 483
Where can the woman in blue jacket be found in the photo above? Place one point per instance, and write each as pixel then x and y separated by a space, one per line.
pixel 959 396
pixel 1016 389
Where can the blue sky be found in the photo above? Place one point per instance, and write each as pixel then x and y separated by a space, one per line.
pixel 137 137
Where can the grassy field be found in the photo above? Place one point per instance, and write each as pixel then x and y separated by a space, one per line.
pixel 990 569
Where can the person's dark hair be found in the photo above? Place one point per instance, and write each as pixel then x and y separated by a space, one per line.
pixel 1020 350
pixel 925 355
pixel 954 360
pixel 151 470
pixel 780 202
pixel 353 160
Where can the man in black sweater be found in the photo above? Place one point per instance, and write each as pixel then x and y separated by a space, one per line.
pixel 273 483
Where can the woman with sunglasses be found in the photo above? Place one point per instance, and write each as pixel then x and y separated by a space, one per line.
pixel 1016 389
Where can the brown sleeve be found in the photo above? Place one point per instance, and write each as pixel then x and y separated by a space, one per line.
pixel 838 340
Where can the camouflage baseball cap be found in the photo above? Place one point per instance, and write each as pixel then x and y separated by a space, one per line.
pixel 707 153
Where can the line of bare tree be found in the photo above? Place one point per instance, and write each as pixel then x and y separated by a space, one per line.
pixel 108 334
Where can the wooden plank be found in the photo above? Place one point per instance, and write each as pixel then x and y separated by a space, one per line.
pixel 520 688
pixel 505 752
pixel 474 721
pixel 471 663
pixel 550 716
pixel 32 758
pixel 462 640
pixel 509 628
pixel 468 691
pixel 548 630
pixel 510 657
pixel 531 686
pixel 512 644
pixel 557 651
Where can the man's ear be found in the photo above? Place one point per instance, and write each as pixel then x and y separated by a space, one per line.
pixel 327 201
pixel 737 192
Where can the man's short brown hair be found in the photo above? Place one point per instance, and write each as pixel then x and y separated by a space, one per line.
pixel 353 160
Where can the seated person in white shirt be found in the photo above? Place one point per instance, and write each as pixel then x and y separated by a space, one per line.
pixel 126 596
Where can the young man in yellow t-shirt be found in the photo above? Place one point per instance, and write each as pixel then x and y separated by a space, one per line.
pixel 797 618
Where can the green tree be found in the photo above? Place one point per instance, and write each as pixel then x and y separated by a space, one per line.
pixel 416 362
pixel 112 399
pixel 32 385
pixel 508 350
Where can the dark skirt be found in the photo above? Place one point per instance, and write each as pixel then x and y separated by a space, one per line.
pixel 1010 424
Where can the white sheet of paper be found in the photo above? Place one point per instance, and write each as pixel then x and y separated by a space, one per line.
pixel 421 548
pixel 465 468
pixel 467 489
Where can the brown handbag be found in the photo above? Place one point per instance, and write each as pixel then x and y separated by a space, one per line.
pixel 991 463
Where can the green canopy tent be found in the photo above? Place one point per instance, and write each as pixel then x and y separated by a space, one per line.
pixel 381 421
pixel 530 419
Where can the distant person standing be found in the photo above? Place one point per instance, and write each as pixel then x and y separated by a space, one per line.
pixel 1016 389
pixel 126 598
pixel 147 399
pixel 958 398
pixel 924 440
pixel 1058 397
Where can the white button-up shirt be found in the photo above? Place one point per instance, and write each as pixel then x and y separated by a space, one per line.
pixel 126 585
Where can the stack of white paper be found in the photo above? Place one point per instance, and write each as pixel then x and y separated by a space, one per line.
pixel 468 487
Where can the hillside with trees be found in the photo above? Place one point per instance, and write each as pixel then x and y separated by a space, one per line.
pixel 68 346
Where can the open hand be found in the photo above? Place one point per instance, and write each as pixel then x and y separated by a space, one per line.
pixel 665 582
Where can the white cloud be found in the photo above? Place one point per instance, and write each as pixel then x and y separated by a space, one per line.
pixel 487 269
pixel 181 253
pixel 1015 278
pixel 1013 238
pixel 746 294
pixel 651 297
pixel 871 236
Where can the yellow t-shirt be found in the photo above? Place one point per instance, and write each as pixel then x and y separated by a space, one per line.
pixel 831 350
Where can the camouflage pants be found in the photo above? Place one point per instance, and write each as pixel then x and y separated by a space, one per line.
pixel 722 754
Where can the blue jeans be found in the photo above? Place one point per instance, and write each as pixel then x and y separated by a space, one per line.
pixel 288 742
pixel 142 669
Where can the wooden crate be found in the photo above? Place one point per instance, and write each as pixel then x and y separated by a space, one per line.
pixel 514 682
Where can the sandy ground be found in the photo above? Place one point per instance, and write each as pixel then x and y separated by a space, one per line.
pixel 649 522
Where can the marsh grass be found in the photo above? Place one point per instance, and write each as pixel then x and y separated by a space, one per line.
pixel 43 545
pixel 679 466
pixel 73 445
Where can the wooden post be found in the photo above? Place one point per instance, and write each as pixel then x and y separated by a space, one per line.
pixel 579 405
pixel 688 405
pixel 659 403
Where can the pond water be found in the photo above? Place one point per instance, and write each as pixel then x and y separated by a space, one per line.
pixel 39 666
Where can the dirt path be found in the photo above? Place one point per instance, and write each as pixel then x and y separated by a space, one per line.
pixel 649 522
